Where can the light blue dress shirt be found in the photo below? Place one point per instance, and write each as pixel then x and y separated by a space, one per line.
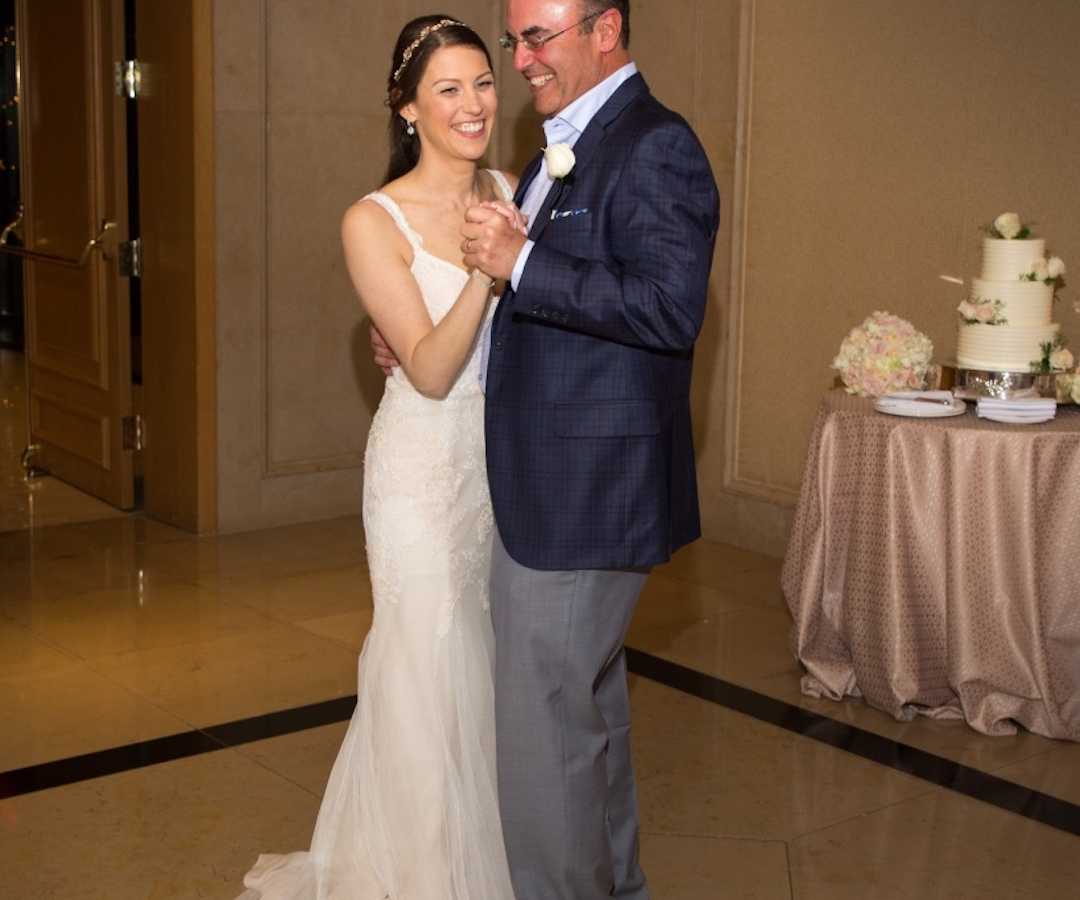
pixel 565 128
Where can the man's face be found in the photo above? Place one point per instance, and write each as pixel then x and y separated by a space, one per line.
pixel 564 68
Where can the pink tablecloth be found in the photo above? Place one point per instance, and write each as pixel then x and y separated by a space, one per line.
pixel 934 567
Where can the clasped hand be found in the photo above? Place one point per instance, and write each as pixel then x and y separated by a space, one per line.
pixel 493 235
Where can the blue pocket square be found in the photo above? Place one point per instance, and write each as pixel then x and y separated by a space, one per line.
pixel 566 213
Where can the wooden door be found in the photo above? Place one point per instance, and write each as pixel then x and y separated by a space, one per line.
pixel 74 180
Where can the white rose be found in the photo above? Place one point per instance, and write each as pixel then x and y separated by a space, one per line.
pixel 1008 225
pixel 1055 268
pixel 1061 359
pixel 1040 270
pixel 966 310
pixel 560 160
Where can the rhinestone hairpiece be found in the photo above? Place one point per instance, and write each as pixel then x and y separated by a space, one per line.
pixel 423 36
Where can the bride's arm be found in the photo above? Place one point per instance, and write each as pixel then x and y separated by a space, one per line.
pixel 431 355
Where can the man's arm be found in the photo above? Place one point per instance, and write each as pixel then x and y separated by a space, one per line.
pixel 652 292
pixel 381 353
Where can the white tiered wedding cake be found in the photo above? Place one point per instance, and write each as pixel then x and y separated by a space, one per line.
pixel 1005 322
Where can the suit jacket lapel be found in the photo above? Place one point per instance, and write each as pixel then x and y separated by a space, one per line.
pixel 586 146
pixel 544 215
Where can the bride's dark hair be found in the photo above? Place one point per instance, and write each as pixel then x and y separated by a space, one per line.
pixel 406 72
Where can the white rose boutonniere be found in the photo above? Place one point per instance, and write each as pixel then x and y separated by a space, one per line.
pixel 560 160
pixel 1008 225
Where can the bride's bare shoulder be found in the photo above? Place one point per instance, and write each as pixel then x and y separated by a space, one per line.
pixel 368 225
pixel 365 218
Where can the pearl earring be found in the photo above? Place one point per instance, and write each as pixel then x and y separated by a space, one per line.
pixel 410 130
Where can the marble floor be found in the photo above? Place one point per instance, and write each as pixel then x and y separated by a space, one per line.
pixel 123 633
pixel 44 500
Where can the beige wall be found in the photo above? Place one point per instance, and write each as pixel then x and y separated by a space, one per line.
pixel 880 137
pixel 857 147
pixel 300 135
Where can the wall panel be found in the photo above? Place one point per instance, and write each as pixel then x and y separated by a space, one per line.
pixel 881 136
pixel 857 147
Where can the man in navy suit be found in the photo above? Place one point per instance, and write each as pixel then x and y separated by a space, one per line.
pixel 589 447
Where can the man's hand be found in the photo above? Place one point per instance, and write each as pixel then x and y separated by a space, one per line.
pixel 491 242
pixel 382 354
pixel 509 211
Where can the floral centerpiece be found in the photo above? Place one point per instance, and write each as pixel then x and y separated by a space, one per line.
pixel 883 354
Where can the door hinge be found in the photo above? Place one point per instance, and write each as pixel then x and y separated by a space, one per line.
pixel 130 258
pixel 128 78
pixel 31 468
pixel 134 432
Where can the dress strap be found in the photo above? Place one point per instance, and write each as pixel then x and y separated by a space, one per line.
pixel 414 239
pixel 502 183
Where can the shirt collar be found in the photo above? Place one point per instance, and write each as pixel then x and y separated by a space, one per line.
pixel 568 125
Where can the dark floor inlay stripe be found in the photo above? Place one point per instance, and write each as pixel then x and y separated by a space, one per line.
pixel 175 746
pixel 946 773
pixel 1052 811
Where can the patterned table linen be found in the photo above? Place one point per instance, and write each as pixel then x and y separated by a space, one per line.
pixel 934 567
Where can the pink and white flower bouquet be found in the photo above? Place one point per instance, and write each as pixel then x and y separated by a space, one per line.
pixel 883 354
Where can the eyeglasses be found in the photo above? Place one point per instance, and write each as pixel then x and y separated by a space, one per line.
pixel 533 43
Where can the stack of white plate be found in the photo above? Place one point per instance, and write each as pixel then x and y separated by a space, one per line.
pixel 1018 410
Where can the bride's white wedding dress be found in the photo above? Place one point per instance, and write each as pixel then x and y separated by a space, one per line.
pixel 411 810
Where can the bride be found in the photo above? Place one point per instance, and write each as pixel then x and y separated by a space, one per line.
pixel 410 810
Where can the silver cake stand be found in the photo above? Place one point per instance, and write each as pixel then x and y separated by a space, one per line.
pixel 970 384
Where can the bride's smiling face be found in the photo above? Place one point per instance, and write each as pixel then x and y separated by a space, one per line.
pixel 455 103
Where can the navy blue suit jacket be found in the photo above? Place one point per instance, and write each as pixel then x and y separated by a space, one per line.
pixel 589 447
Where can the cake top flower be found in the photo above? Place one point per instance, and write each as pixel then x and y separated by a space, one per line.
pixel 1009 227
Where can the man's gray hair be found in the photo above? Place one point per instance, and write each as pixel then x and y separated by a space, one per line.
pixel 595 7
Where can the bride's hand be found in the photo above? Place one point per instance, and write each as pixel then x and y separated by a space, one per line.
pixel 517 219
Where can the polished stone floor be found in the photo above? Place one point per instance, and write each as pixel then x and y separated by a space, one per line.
pixel 124 633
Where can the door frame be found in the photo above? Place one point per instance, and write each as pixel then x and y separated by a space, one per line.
pixel 175 43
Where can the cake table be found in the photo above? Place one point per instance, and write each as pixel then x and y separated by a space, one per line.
pixel 934 567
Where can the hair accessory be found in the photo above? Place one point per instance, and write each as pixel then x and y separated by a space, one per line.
pixel 420 38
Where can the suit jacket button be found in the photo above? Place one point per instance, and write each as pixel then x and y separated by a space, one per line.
pixel 498 344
